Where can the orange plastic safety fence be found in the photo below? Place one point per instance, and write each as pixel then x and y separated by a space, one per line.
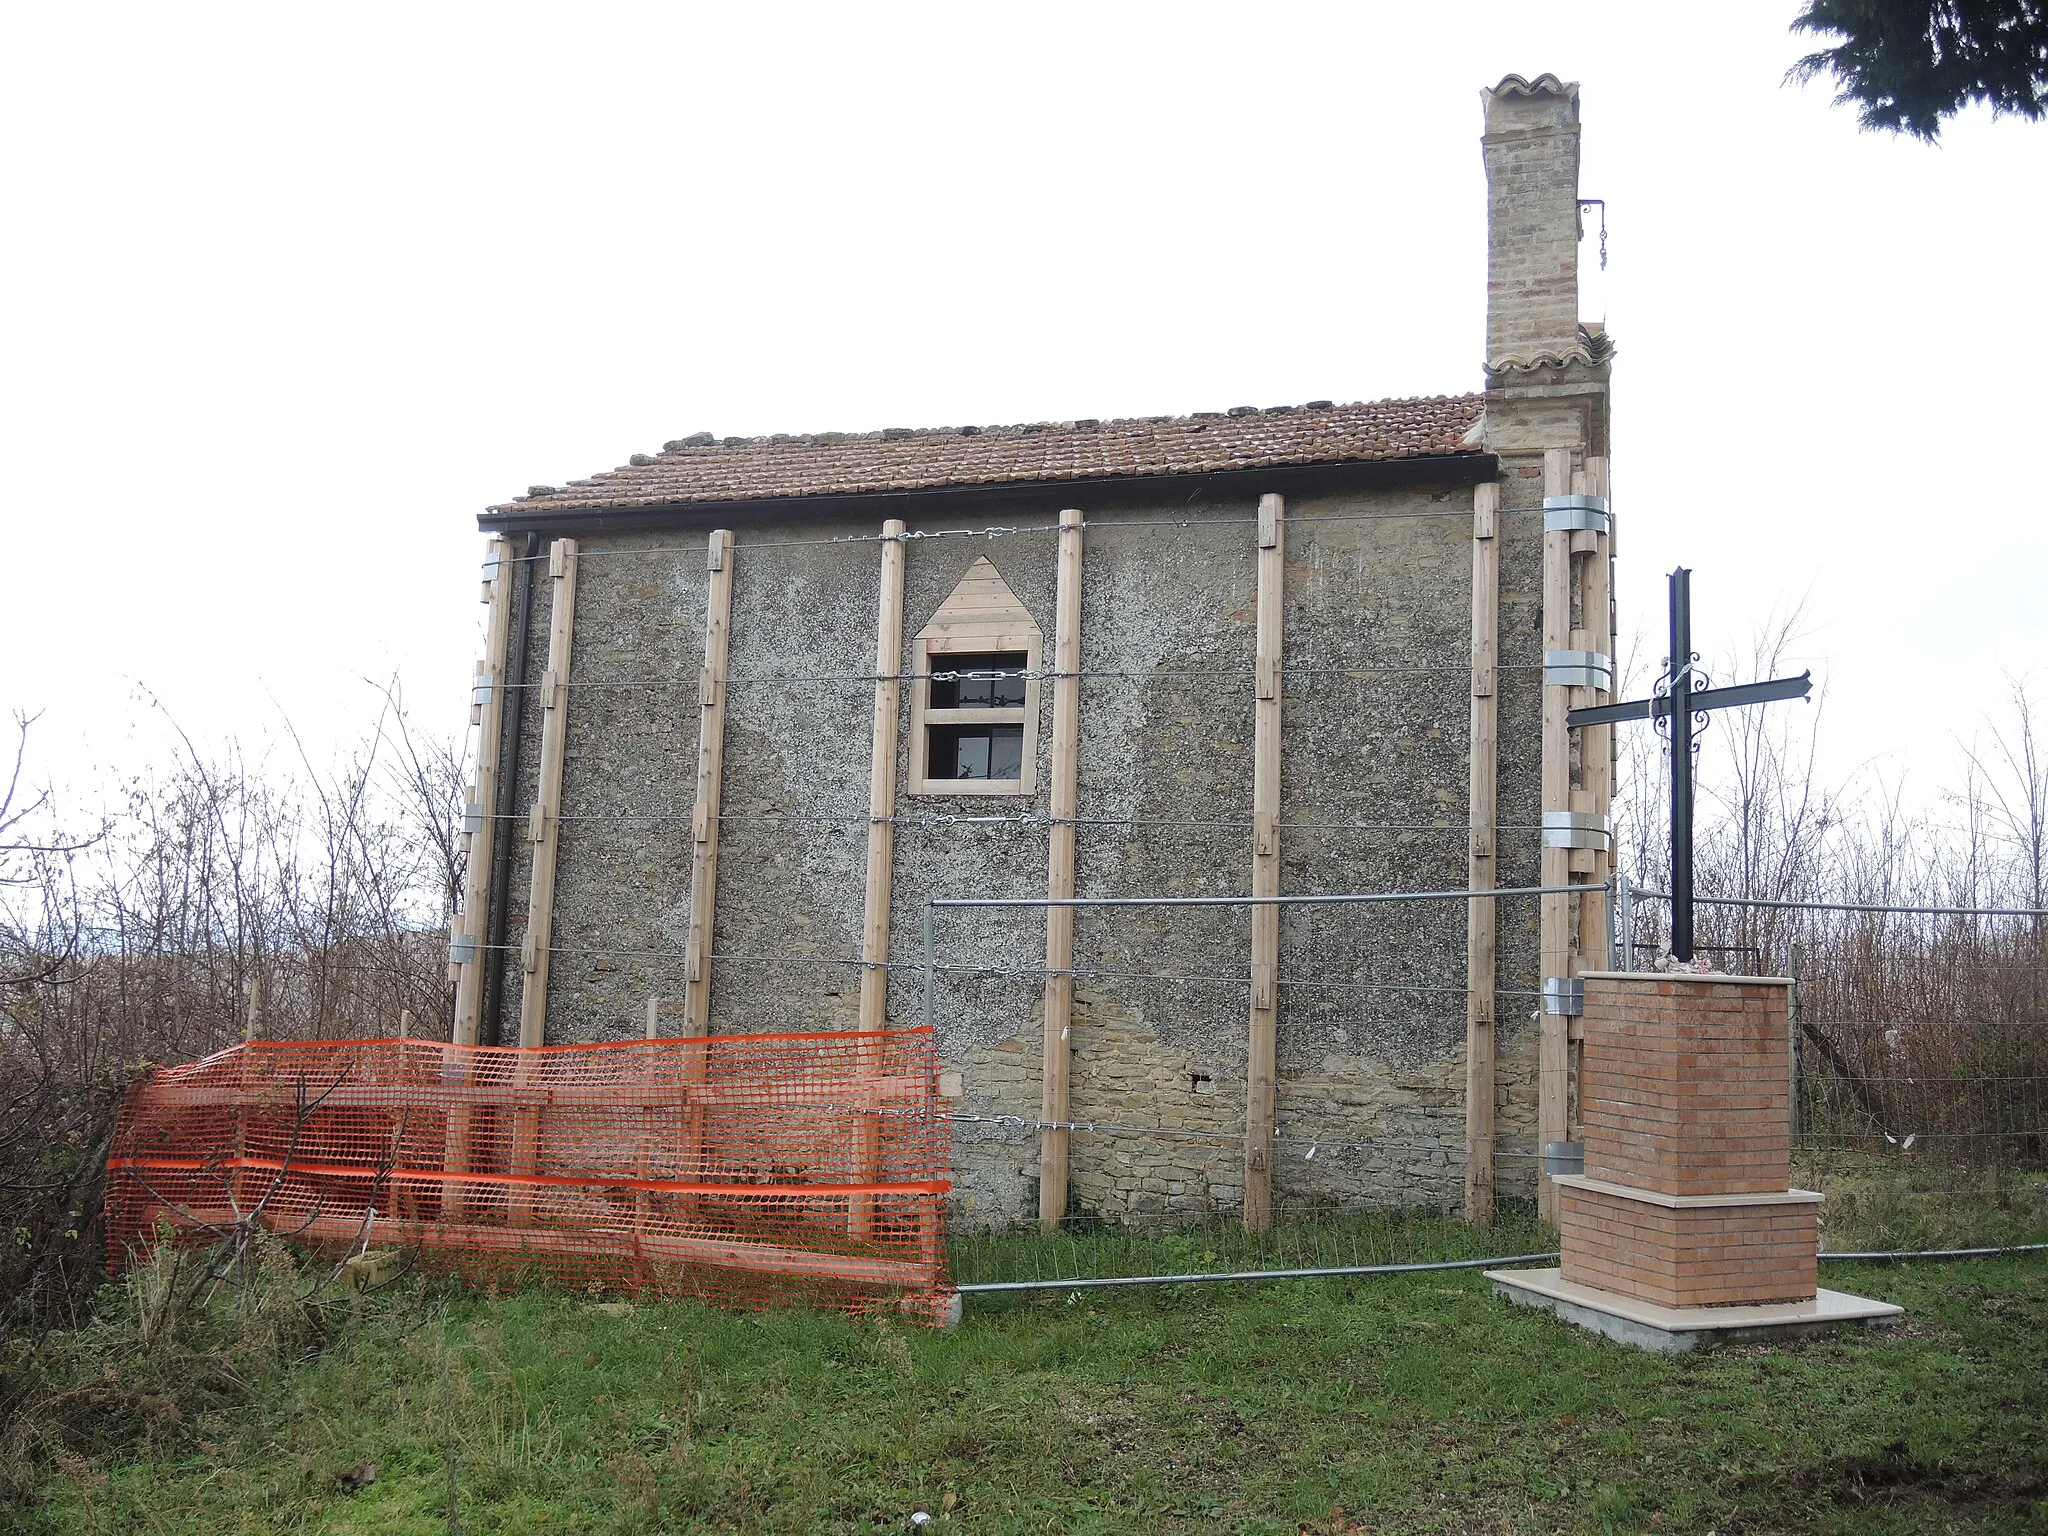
pixel 750 1170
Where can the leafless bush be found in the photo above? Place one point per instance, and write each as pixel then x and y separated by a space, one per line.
pixel 1924 1030
pixel 219 895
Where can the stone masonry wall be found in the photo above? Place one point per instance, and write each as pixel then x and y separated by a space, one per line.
pixel 1371 1099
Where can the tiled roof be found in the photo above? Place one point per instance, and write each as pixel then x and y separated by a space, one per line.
pixel 708 469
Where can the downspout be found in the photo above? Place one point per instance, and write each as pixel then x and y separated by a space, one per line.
pixel 490 1031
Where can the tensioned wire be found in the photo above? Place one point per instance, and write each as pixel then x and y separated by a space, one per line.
pixel 1360 672
pixel 997 530
pixel 992 971
pixel 1036 819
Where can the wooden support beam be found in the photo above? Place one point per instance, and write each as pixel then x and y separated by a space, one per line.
pixel 487 712
pixel 1596 742
pixel 1261 1063
pixel 593 1238
pixel 1481 918
pixel 695 1163
pixel 874 928
pixel 544 822
pixel 1059 876
pixel 718 564
pixel 650 1131
pixel 543 827
pixel 1553 1068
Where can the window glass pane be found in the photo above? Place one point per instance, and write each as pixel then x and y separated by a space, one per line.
pixel 1006 752
pixel 970 755
pixel 996 679
pixel 975 752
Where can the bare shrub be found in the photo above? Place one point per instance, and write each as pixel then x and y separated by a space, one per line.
pixel 1924 1033
pixel 218 895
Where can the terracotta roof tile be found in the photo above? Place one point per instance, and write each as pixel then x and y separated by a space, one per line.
pixel 704 469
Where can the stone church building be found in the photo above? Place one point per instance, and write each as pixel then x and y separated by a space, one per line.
pixel 750 703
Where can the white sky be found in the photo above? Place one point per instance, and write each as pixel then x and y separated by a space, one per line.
pixel 290 292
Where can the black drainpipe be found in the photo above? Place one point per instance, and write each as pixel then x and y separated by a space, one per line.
pixel 491 1026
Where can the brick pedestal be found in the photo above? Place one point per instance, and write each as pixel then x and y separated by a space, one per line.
pixel 1685 1093
pixel 1684 1223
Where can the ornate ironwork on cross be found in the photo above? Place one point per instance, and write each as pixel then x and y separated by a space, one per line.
pixel 1678 707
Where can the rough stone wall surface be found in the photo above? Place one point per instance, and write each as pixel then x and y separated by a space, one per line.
pixel 1378 605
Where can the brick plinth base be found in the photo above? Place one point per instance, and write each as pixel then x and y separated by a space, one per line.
pixel 1689 1251
pixel 1685 1095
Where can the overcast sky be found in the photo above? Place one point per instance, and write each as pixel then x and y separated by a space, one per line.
pixel 291 292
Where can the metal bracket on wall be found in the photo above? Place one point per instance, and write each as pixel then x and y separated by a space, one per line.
pixel 1564 995
pixel 1578 669
pixel 1575 514
pixel 1575 829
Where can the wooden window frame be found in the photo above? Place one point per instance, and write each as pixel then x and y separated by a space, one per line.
pixel 930 654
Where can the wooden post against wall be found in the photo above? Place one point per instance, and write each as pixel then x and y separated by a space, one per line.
pixel 1481 919
pixel 1261 1063
pixel 874 928
pixel 488 712
pixel 544 822
pixel 1596 745
pixel 1553 1071
pixel 543 825
pixel 1059 877
pixel 697 946
pixel 650 1128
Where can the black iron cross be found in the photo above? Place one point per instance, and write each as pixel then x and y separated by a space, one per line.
pixel 1678 701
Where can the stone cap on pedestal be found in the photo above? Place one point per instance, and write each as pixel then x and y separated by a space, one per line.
pixel 1686 976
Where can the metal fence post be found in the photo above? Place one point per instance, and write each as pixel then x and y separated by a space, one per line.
pixel 1795 1011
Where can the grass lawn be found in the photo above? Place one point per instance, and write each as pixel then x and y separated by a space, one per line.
pixel 1416 1403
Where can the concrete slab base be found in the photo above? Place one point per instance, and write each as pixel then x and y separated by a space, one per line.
pixel 1674 1330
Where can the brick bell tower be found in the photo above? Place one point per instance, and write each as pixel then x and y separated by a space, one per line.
pixel 1682 1226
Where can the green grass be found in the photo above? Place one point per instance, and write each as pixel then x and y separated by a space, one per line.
pixel 1415 1403
pixel 1880 1202
pixel 1322 1240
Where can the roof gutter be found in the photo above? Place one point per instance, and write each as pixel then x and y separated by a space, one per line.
pixel 1215 485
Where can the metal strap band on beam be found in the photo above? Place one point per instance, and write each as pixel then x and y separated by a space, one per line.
pixel 1578 669
pixel 1575 514
pixel 472 817
pixel 480 690
pixel 462 949
pixel 1564 995
pixel 1575 829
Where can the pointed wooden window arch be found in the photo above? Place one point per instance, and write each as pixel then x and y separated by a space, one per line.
pixel 982 619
